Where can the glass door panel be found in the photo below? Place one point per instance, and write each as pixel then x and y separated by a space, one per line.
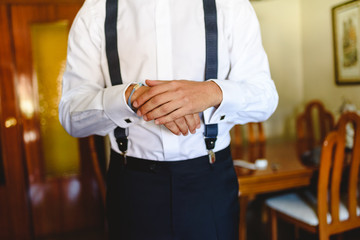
pixel 49 43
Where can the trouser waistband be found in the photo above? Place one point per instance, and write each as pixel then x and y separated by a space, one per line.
pixel 145 165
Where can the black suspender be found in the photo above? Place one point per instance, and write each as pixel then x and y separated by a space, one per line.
pixel 211 33
pixel 114 63
pixel 111 41
pixel 211 65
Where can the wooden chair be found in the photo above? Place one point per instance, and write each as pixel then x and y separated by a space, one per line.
pixel 254 145
pixel 335 209
pixel 311 128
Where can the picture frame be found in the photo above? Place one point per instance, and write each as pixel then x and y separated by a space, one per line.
pixel 346 39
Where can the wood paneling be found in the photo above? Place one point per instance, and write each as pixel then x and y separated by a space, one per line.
pixel 15 220
pixel 67 11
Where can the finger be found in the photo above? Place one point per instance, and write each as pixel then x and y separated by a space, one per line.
pixel 170 117
pixel 158 101
pixel 197 120
pixel 139 92
pixel 163 110
pixel 182 125
pixel 191 123
pixel 173 128
pixel 152 83
pixel 153 91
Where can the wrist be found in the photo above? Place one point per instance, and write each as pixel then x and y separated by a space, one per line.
pixel 216 92
pixel 130 92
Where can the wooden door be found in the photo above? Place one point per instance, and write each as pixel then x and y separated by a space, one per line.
pixel 15 219
pixel 56 202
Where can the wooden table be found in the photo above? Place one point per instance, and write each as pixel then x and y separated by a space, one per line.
pixel 284 171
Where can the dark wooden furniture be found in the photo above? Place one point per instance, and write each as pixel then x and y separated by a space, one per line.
pixel 337 206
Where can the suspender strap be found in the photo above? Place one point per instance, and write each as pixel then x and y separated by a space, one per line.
pixel 211 33
pixel 114 63
pixel 211 67
pixel 111 41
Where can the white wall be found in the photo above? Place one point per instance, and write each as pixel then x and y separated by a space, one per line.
pixel 319 77
pixel 281 32
pixel 297 35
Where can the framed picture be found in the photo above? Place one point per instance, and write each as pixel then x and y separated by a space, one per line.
pixel 346 36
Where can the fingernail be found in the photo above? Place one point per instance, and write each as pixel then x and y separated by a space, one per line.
pixel 138 113
pixel 135 104
pixel 145 118
pixel 157 122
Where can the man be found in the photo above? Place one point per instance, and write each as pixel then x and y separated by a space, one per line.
pixel 189 70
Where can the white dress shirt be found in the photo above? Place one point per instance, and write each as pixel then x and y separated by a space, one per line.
pixel 164 40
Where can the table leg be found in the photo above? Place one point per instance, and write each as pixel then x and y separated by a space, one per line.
pixel 243 202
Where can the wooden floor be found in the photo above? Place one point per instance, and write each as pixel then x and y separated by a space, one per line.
pixel 83 235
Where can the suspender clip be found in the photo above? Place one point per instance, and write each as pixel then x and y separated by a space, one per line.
pixel 123 145
pixel 124 156
pixel 212 157
pixel 210 145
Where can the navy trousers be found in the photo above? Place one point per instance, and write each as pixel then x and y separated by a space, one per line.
pixel 182 200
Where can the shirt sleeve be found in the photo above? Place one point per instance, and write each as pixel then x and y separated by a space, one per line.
pixel 87 106
pixel 249 93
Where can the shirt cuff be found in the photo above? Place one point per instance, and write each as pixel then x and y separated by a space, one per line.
pixel 223 113
pixel 116 108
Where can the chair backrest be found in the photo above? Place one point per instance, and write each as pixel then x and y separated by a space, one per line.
pixel 337 166
pixel 312 126
pixel 254 145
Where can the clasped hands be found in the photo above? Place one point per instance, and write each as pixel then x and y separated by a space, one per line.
pixel 175 104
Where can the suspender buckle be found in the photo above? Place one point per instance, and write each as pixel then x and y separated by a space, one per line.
pixel 210 143
pixel 122 144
